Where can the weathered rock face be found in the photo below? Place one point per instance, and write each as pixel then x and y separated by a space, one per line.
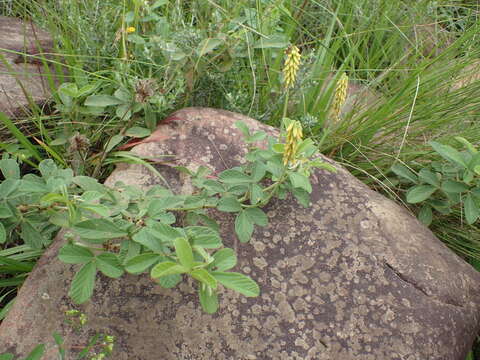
pixel 17 38
pixel 353 277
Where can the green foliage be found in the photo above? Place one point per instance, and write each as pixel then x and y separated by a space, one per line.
pixel 444 185
pixel 127 229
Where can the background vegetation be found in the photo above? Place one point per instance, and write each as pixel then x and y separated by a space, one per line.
pixel 413 70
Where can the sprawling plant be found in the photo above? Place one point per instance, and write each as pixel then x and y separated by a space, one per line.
pixel 168 235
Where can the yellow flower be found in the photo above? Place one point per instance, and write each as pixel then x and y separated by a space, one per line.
pixel 339 97
pixel 292 64
pixel 294 137
pixel 130 30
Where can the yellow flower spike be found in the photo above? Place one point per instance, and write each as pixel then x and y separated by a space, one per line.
pixel 130 30
pixel 339 97
pixel 292 64
pixel 294 137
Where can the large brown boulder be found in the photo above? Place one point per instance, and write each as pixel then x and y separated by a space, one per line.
pixel 20 73
pixel 353 277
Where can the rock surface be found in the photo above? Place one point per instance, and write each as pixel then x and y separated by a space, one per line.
pixel 353 277
pixel 16 70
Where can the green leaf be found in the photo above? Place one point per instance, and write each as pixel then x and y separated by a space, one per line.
pixel 167 268
pixel 31 236
pixel 142 262
pixel 258 171
pixel 238 282
pixel 47 168
pixel 204 277
pixel 425 215
pixel 204 237
pixel 169 281
pixel 243 227
pixel 3 234
pixel 471 209
pixel 83 283
pixel 429 177
pixel 114 141
pixel 300 181
pixel 22 139
pixel 224 259
pixel 207 45
pixel 468 145
pixel 99 209
pixel 102 100
pixel 18 266
pixel 10 169
pixel 74 254
pixel 8 187
pixel 184 252
pixel 87 183
pixel 455 187
pixel 165 233
pixel 208 299
pixel 5 211
pixel 419 193
pixel 98 229
pixel 404 172
pixel 109 265
pixel 6 356
pixel 138 132
pixel 275 41
pixel 232 176
pixel 257 216
pixel 36 353
pixel 229 204
pixel 243 128
pixel 448 153
pixel 256 194
pixel 147 238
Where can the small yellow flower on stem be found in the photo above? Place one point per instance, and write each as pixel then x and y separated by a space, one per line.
pixel 339 97
pixel 130 30
pixel 294 138
pixel 292 64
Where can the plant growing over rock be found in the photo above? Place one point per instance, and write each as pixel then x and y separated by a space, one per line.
pixel 126 229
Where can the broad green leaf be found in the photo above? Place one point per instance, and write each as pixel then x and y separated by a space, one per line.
pixel 243 227
pixel 243 128
pixel 114 141
pixel 10 169
pixel 419 193
pixel 300 181
pixel 165 233
pixel 257 216
pixel 102 100
pixel 229 204
pixel 204 277
pixel 471 209
pixel 207 45
pixel 167 268
pixel 258 171
pixel 454 186
pixel 448 153
pixel 204 237
pixel 141 263
pixel 99 209
pixel 238 282
pixel 302 197
pixel 224 259
pixel 468 145
pixel 98 229
pixel 74 254
pixel 184 252
pixel 429 177
pixel 404 172
pixel 31 236
pixel 87 183
pixel 6 356
pixel 138 132
pixel 36 353
pixel 257 136
pixel 8 187
pixel 213 186
pixel 169 281
pixel 28 186
pixel 232 176
pixel 3 234
pixel 477 169
pixel 147 238
pixel 47 168
pixel 425 215
pixel 109 265
pixel 83 283
pixel 5 211
pixel 256 194
pixel 208 299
